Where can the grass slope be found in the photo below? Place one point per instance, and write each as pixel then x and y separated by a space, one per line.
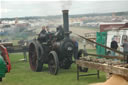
pixel 21 74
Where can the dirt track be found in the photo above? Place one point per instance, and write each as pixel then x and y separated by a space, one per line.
pixel 82 31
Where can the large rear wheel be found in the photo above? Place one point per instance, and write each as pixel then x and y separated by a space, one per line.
pixel 53 63
pixel 35 54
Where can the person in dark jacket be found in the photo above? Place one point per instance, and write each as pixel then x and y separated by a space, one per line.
pixel 43 30
pixel 125 49
pixel 59 33
pixel 42 35
pixel 114 45
pixel 75 48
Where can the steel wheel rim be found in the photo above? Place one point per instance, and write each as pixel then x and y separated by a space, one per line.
pixel 52 65
pixel 32 57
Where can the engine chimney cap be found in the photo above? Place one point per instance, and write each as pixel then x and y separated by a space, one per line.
pixel 65 11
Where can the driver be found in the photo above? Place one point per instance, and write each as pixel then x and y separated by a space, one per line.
pixel 42 35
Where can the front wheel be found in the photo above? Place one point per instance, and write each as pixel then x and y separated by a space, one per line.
pixel 66 63
pixel 53 63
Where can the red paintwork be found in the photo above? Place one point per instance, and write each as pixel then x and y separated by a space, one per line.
pixel 110 26
pixel 6 57
pixel 106 27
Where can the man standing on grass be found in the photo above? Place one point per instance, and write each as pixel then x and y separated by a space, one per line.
pixel 114 45
pixel 75 42
pixel 125 48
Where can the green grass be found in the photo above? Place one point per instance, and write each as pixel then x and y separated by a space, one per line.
pixel 21 74
pixel 93 51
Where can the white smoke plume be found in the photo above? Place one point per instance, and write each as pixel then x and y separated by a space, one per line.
pixel 66 4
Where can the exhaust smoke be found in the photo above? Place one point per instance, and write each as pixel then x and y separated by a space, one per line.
pixel 66 4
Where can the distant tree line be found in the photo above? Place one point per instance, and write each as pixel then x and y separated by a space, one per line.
pixel 72 16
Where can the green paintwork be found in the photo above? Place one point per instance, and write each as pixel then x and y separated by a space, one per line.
pixel 3 68
pixel 101 38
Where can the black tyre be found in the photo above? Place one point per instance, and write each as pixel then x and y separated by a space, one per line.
pixel 66 63
pixel 53 63
pixel 82 69
pixel 35 54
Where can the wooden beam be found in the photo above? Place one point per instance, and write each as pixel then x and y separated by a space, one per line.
pixel 110 57
pixel 104 67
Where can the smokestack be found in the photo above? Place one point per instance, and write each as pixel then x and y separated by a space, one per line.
pixel 66 22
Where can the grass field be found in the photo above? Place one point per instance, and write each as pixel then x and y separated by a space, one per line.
pixel 21 74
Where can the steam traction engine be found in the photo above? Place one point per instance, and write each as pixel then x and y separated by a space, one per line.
pixel 54 49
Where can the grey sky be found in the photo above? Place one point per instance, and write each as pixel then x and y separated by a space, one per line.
pixel 20 8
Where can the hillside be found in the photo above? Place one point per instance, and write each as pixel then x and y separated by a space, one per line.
pixel 72 16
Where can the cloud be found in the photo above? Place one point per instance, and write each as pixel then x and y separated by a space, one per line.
pixel 66 4
pixel 19 8
pixel 30 0
pixel 4 10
